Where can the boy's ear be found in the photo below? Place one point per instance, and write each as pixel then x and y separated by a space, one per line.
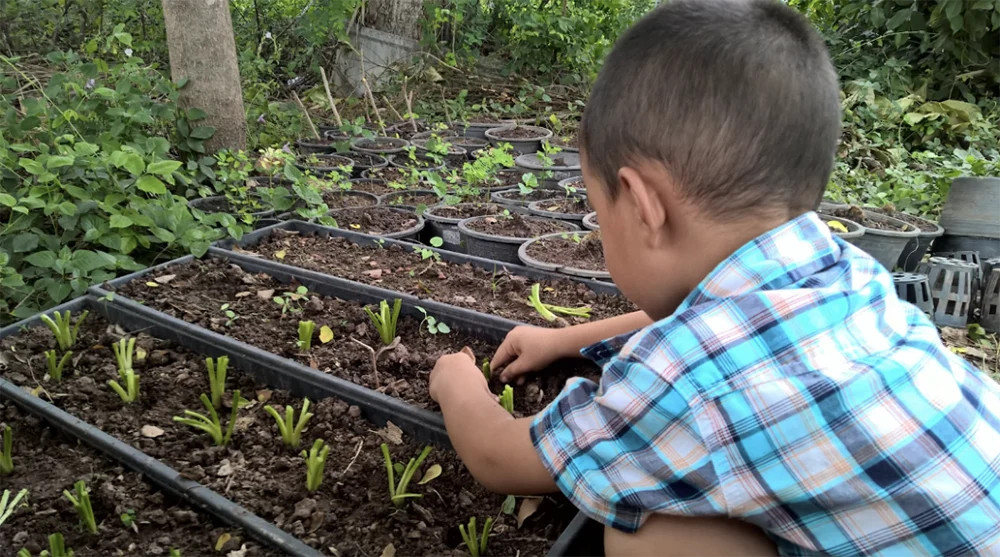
pixel 646 199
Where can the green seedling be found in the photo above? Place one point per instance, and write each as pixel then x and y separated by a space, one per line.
pixel 231 316
pixel 426 253
pixel 507 399
pixel 289 301
pixel 6 457
pixel 124 353
pixel 65 335
pixel 211 425
pixel 385 320
pixel 487 372
pixel 397 492
pixel 574 236
pixel 23 553
pixel 128 518
pixel 546 310
pixel 476 544
pixel 315 464
pixel 8 506
pixel 306 330
pixel 217 378
pixel 433 325
pixel 174 553
pixel 57 547
pixel 56 368
pixel 81 502
pixel 528 184
pixel 291 431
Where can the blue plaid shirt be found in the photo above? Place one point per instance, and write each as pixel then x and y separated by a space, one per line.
pixel 793 390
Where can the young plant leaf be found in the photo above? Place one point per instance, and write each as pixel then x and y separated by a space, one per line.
pixel 325 334
pixel 432 472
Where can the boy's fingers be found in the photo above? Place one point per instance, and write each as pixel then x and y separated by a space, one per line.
pixel 514 369
pixel 468 352
pixel 503 356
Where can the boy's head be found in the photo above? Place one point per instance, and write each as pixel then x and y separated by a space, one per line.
pixel 711 122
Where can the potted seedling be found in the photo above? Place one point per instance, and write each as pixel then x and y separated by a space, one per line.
pixel 328 166
pixel 291 431
pixel 522 139
pixel 315 464
pixel 411 159
pixel 365 161
pixel 442 220
pixel 410 198
pixel 579 254
pixel 844 229
pixel 499 236
pixel 232 193
pixel 382 146
pixel 475 543
pixel 884 237
pixel 373 185
pixel 550 166
pixel 210 424
pixel 590 221
pixel 916 248
pixel 472 145
pixel 80 499
pixel 66 334
pixel 529 189
pixel 124 355
pixel 567 207
pixel 387 222
pixel 398 492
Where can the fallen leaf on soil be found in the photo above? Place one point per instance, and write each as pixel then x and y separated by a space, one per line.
pixel 432 472
pixel 222 541
pixel 391 433
pixel 313 363
pixel 151 431
pixel 226 469
pixel 508 505
pixel 36 391
pixel 528 507
pixel 242 294
pixel 152 284
pixel 140 354
pixel 165 279
pixel 389 551
pixel 265 294
pixel 279 255
pixel 241 552
pixel 264 395
pixel 325 334
pixel 374 273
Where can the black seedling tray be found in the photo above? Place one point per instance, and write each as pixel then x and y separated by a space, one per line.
pixel 302 380
pixel 159 473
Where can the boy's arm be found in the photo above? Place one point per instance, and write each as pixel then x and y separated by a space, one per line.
pixel 527 349
pixel 495 447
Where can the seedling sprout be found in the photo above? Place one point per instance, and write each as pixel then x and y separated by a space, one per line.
pixel 291 431
pixel 217 378
pixel 433 325
pixel 81 502
pixel 546 310
pixel 56 367
pixel 473 542
pixel 385 320
pixel 8 506
pixel 211 425
pixel 397 492
pixel 6 458
pixel 124 353
pixel 65 335
pixel 315 464
pixel 507 399
pixel 306 330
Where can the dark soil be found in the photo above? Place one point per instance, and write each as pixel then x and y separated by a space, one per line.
pixel 485 119
pixel 350 512
pixel 566 140
pixel 371 185
pixel 571 205
pixel 518 132
pixel 324 161
pixel 325 141
pixel 594 220
pixel 420 161
pixel 379 144
pixel 857 215
pixel 374 220
pixel 470 143
pixel 466 210
pixel 338 199
pixel 508 177
pixel 412 199
pixel 576 183
pixel 587 253
pixel 517 226
pixel 923 224
pixel 390 174
pixel 46 463
pixel 564 160
pixel 536 195
pixel 366 160
pixel 498 293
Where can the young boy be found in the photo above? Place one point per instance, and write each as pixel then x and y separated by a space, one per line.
pixel 773 395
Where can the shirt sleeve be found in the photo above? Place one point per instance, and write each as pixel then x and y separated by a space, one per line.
pixel 626 448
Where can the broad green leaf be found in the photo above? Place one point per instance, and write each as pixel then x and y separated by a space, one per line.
pixel 203 132
pixel 86 261
pixel 151 184
pixel 134 164
pixel 120 221
pixel 7 200
pixel 67 208
pixel 59 161
pixel 44 259
pixel 901 17
pixel 163 234
pixel 25 242
pixel 163 168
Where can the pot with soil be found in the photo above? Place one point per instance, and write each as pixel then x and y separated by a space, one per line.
pixel 340 199
pixel 316 145
pixel 334 133
pixel 409 198
pixel 268 181
pixel 442 221
pixel 446 134
pixel 573 253
pixel 884 237
pixel 590 221
pixel 454 151
pixel 565 166
pixel 219 204
pixel 365 161
pixel 969 217
pixel 515 198
pixel 322 165
pixel 391 175
pixel 842 228
pixel 567 207
pixel 916 248
pixel 387 222
pixel 472 145
pixel 379 145
pixel 522 139
pixel 499 237
pixel 375 186
pixel 567 142
pixel 477 129
pixel 421 161
pixel 407 129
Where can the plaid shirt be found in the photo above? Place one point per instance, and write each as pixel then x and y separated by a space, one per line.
pixel 794 390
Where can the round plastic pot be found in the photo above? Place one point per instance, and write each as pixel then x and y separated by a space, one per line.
pixel 443 134
pixel 555 142
pixel 386 198
pixel 854 230
pixel 478 129
pixel 314 146
pixel 519 145
pixel 590 221
pixel 366 145
pixel 557 173
pixel 499 248
pixel 219 204
pixel 268 181
pixel 334 134
pixel 362 164
pixel 472 145
pixel 408 234
pixel 499 196
pixel 447 228
pixel 885 245
pixel 522 254
pixel 403 161
pixel 327 163
pixel 988 248
pixel 538 208
pixel 369 199
pixel 918 247
pixel 453 150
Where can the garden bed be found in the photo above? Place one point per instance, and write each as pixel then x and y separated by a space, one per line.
pixel 575 250
pixel 375 220
pixel 351 510
pixel 515 226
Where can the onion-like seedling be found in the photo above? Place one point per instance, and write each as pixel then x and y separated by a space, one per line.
pixel 124 352
pixel 507 399
pixel 397 492
pixel 65 335
pixel 315 464
pixel 475 543
pixel 385 320
pixel 57 548
pixel 217 378
pixel 8 506
pixel 546 310
pixel 6 457
pixel 56 367
pixel 306 330
pixel 291 431
pixel 81 502
pixel 487 372
pixel 211 425
pixel 174 553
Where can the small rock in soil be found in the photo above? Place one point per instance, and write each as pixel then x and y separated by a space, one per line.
pixel 225 469
pixel 354 412
pixel 20 537
pixel 304 509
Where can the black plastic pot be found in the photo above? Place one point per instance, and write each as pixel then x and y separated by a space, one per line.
pixel 550 175
pixel 969 217
pixel 556 141
pixel 410 233
pixel 854 230
pixel 886 246
pixel 515 199
pixel 367 145
pixel 472 145
pixel 160 474
pixel 459 153
pixel 268 181
pixel 522 253
pixel 404 161
pixel 389 198
pixel 446 228
pixel 519 145
pixel 313 146
pixel 327 163
pixel 219 204
pixel 590 221
pixel 539 208
pixel 478 129
pixel 916 248
pixel 500 248
pixel 442 134
pixel 364 162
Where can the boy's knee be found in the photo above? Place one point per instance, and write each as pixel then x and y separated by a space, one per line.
pixel 677 536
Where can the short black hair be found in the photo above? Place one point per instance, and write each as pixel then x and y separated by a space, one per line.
pixel 738 99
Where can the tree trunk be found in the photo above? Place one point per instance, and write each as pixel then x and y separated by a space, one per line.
pixel 202 49
pixel 399 17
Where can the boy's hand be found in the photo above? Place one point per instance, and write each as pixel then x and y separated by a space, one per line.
pixel 457 371
pixel 527 349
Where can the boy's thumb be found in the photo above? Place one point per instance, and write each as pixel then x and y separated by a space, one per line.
pixel 468 352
